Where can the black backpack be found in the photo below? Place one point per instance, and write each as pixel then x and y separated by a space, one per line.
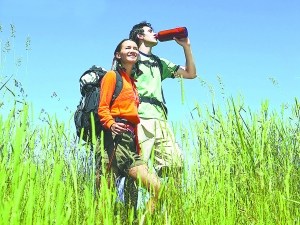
pixel 87 109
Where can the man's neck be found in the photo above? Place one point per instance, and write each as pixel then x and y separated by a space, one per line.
pixel 145 49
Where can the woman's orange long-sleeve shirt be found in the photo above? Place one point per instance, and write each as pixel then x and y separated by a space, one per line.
pixel 125 106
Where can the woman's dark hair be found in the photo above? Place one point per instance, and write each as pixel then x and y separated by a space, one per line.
pixel 116 62
pixel 138 29
pixel 118 48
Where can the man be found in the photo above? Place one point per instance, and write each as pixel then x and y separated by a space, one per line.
pixel 156 137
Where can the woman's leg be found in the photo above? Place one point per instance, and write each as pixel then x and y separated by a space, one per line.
pixel 149 180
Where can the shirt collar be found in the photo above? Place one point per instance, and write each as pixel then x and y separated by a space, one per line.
pixel 144 54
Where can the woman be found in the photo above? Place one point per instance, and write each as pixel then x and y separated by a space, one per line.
pixel 120 119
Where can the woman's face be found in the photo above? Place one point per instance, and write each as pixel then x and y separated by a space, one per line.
pixel 128 53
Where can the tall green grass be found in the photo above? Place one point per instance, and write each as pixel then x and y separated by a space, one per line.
pixel 246 166
pixel 242 167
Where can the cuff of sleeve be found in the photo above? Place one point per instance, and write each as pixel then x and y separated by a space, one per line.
pixel 108 125
pixel 173 75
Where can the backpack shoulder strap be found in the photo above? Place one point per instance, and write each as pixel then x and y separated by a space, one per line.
pixel 119 85
pixel 159 64
pixel 161 74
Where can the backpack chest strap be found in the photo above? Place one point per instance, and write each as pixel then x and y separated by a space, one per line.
pixel 154 101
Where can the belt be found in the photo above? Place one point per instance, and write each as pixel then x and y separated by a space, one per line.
pixel 130 126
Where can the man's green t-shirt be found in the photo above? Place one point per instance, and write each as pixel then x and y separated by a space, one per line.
pixel 149 84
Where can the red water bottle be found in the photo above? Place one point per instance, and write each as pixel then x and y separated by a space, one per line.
pixel 167 35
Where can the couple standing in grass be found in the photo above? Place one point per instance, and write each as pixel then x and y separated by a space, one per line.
pixel 135 123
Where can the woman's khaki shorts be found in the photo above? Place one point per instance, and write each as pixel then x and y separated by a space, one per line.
pixel 120 150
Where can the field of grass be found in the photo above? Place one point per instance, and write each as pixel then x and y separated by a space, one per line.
pixel 240 171
pixel 241 167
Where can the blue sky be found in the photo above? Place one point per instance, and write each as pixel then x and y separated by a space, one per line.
pixel 252 46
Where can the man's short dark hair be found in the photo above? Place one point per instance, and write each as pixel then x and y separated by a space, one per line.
pixel 138 29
